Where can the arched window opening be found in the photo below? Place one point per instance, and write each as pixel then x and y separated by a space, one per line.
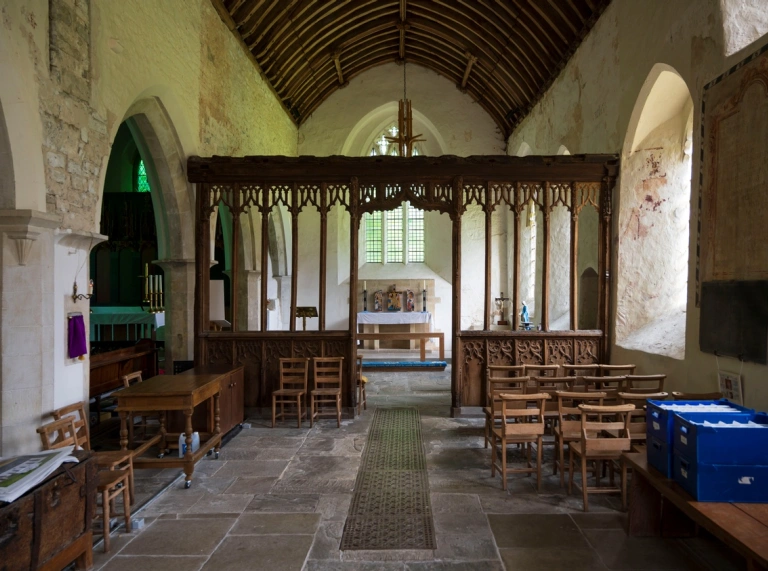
pixel 654 214
pixel 383 146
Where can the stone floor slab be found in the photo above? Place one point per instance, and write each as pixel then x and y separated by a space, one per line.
pixel 525 559
pixel 554 531
pixel 276 524
pixel 180 537
pixel 154 563
pixel 273 552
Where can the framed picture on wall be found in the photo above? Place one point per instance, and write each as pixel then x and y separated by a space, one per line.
pixel 730 386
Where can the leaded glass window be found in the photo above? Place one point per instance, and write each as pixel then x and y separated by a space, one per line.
pixel 373 238
pixel 142 184
pixel 415 225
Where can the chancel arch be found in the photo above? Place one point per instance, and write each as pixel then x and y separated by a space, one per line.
pixel 655 194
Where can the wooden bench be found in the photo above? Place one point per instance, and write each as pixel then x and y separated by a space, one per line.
pixel 421 336
pixel 658 506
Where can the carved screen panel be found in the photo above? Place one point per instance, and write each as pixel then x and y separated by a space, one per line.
pixel 735 176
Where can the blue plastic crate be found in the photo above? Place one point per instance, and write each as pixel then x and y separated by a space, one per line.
pixel 721 483
pixel 736 442
pixel 659 414
pixel 659 455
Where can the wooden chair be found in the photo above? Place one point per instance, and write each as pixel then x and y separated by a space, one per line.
pixel 550 386
pixel 520 424
pixel 362 380
pixel 494 387
pixel 105 459
pixel 568 428
pixel 696 396
pixel 327 377
pixel 111 484
pixel 611 386
pixel 592 370
pixel 644 383
pixel 597 445
pixel 637 420
pixel 293 388
pixel 542 370
pixel 135 377
pixel 499 371
pixel 616 370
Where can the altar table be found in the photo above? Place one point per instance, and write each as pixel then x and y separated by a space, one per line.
pixel 369 322
pixel 171 392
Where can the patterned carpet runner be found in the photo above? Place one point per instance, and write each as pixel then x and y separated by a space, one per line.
pixel 390 506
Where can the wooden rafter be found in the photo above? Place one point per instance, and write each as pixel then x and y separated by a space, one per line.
pixel 517 47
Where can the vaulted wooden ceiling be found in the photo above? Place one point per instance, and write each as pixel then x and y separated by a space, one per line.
pixel 503 53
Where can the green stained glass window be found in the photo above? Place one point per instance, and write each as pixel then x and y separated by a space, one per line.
pixel 142 184
pixel 373 238
pixel 415 235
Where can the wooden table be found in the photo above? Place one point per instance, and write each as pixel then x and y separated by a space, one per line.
pixel 422 336
pixel 658 506
pixel 165 393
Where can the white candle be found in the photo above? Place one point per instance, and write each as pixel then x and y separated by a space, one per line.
pixel 424 284
pixel 151 284
pixel 365 285
pixel 160 284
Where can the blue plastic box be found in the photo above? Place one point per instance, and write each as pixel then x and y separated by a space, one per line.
pixel 659 415
pixel 659 455
pixel 736 443
pixel 719 483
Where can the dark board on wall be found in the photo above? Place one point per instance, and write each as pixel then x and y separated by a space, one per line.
pixel 734 319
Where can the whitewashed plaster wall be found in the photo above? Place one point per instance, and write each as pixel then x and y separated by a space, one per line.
pixel 62 110
pixel 588 109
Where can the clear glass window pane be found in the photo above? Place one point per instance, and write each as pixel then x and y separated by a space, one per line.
pixel 373 238
pixel 395 235
pixel 415 234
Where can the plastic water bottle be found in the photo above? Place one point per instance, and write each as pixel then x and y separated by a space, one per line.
pixel 183 443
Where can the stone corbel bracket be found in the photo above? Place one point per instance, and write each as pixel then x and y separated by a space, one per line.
pixel 24 227
pixel 79 239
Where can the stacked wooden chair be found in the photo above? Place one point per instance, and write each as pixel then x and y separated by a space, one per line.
pixel 362 381
pixel 597 445
pixel 111 484
pixel 327 382
pixel 293 389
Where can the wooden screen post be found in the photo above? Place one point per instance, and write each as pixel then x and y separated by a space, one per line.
pixel 264 256
pixel 323 253
pixel 488 247
pixel 294 254
pixel 354 225
pixel 574 259
pixel 202 269
pixel 604 263
pixel 516 210
pixel 456 298
pixel 235 277
pixel 545 261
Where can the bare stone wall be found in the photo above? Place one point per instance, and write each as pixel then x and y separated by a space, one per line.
pixel 75 141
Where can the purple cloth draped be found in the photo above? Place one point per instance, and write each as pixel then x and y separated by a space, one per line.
pixel 77 343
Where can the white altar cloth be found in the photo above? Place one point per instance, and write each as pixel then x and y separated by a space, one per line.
pixel 393 317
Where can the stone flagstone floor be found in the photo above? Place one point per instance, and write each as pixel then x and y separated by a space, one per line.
pixel 277 499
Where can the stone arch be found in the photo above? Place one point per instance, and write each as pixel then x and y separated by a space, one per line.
pixel 361 136
pixel 654 217
pixel 159 142
pixel 22 176
pixel 523 150
pixel 744 21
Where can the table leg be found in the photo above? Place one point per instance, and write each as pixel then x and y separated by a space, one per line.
pixel 423 349
pixel 217 422
pixel 441 340
pixel 163 433
pixel 189 464
pixel 644 508
pixel 123 430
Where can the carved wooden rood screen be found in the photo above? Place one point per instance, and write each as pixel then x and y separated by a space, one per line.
pixel 244 192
